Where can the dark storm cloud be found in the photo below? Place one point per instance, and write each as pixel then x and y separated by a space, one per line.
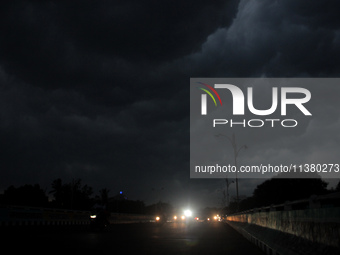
pixel 102 59
pixel 275 39
pixel 65 43
pixel 281 39
pixel 98 90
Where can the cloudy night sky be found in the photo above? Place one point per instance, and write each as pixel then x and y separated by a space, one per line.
pixel 99 90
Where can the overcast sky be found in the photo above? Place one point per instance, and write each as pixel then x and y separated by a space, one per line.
pixel 99 90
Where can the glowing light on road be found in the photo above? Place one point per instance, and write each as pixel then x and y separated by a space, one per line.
pixel 183 217
pixel 188 213
pixel 175 217
pixel 157 218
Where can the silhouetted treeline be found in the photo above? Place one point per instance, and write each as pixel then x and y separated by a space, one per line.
pixel 77 196
pixel 73 195
pixel 160 208
pixel 31 195
pixel 126 206
pixel 279 190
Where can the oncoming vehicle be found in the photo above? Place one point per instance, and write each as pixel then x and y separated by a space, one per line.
pixel 160 219
pixel 185 216
pixel 99 219
pixel 178 218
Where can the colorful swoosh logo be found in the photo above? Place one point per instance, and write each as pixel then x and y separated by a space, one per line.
pixel 210 94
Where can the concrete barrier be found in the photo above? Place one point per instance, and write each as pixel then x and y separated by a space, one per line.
pixel 316 220
pixel 124 218
pixel 30 216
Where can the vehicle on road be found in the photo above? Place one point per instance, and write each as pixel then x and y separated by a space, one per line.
pixel 99 220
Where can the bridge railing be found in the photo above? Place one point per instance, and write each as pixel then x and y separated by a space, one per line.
pixel 316 219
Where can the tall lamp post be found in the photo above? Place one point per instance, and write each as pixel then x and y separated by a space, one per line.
pixel 228 184
pixel 232 140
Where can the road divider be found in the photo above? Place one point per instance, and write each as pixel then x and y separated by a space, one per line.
pixel 34 216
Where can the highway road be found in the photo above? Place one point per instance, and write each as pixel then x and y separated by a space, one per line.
pixel 142 238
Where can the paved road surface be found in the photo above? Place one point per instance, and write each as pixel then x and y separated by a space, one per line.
pixel 144 238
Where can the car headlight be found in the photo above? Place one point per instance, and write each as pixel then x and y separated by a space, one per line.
pixel 188 213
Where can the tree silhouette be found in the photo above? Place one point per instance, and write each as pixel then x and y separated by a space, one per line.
pixel 337 187
pixel 104 196
pixel 71 195
pixel 26 195
pixel 57 191
pixel 279 189
pixel 282 188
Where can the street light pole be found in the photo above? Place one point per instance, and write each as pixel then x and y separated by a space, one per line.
pixel 232 140
pixel 228 184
